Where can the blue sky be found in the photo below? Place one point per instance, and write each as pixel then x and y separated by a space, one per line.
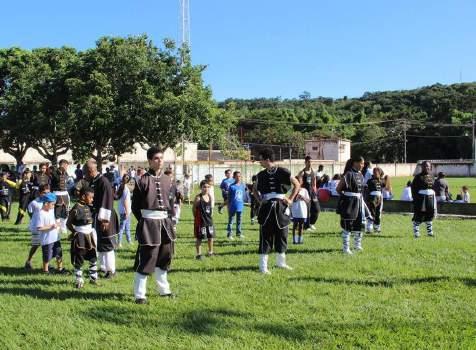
pixel 265 48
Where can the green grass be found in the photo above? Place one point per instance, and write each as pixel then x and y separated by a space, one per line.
pixel 397 294
pixel 455 184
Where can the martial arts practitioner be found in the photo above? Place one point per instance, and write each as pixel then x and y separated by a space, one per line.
pixel 424 200
pixel 274 213
pixel 25 187
pixel 40 178
pixel 309 178
pixel 83 237
pixel 6 186
pixel 59 180
pixel 374 200
pixel 105 220
pixel 153 206
pixel 351 206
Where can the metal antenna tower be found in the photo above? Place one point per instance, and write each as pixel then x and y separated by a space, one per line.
pixel 184 18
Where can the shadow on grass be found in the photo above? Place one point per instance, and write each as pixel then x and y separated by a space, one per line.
pixel 312 251
pixel 215 269
pixel 209 321
pixel 390 283
pixel 31 281
pixel 282 331
pixel 10 229
pixel 63 295
pixel 470 282
pixel 380 236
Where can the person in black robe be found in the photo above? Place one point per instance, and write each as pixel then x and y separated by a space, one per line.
pixel 25 188
pixel 105 220
pixel 40 178
pixel 59 180
pixel 424 200
pixel 83 237
pixel 351 206
pixel 374 200
pixel 310 179
pixel 153 206
pixel 274 213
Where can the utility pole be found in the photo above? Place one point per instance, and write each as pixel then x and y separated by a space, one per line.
pixel 405 141
pixel 474 143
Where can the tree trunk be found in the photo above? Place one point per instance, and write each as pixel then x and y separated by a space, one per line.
pixel 99 158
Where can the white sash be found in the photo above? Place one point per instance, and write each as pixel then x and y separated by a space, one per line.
pixel 154 214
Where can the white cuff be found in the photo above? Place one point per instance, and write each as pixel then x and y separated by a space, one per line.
pixel 104 214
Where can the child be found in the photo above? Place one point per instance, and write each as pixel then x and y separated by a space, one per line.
pixel 203 223
pixel 211 191
pixel 254 205
pixel 299 212
pixel 124 195
pixel 25 187
pixel 5 194
pixel 187 188
pixel 179 198
pixel 235 202
pixel 463 197
pixel 374 200
pixel 47 226
pixel 407 193
pixel 386 188
pixel 83 237
pixel 34 210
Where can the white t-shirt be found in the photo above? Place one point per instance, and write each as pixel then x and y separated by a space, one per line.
pixel 126 197
pixel 47 218
pixel 466 198
pixel 34 209
pixel 333 188
pixel 299 207
pixel 406 194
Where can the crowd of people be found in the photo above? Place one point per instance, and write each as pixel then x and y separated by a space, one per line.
pixel 276 199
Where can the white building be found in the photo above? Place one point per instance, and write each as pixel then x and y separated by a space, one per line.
pixel 328 149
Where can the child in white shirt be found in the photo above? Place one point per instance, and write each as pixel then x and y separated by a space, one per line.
pixel 299 211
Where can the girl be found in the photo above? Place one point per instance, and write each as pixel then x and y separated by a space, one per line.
pixel 299 212
pixel 374 200
pixel 124 195
pixel 203 223
pixel 386 188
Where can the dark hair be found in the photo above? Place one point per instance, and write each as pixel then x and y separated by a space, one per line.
pixel 151 152
pixel 62 161
pixel 208 177
pixel 320 167
pixel 85 190
pixel 348 166
pixel 168 172
pixel 441 175
pixel 44 187
pixel 42 165
pixel 227 171
pixel 267 154
pixel 203 182
pixel 357 159
pixel 254 178
pixel 409 183
pixel 236 172
pixel 307 158
pixel 336 177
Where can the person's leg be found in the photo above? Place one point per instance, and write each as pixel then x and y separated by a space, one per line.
pixel 162 266
pixel 122 226
pixel 198 248
pixel 210 247
pixel 77 260
pixel 378 215
pixel 357 232
pixel 238 224
pixel 231 215
pixel 281 246
pixel 45 250
pixel 265 245
pixel 295 226
pixel 58 253
pixel 417 220
pixel 128 229
pixel 345 236
pixel 300 239
pixel 144 265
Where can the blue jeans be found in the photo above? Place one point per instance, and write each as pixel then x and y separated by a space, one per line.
pixel 231 215
pixel 125 226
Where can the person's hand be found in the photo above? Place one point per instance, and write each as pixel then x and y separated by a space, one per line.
pixel 287 201
pixel 104 225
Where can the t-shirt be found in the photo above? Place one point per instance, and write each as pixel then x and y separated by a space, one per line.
pixel 406 194
pixel 299 207
pixel 236 197
pixel 225 185
pixel 126 197
pixel 47 218
pixel 34 208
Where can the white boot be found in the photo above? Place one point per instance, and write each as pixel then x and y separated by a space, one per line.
pixel 377 229
pixel 102 261
pixel 263 264
pixel 110 260
pixel 163 286
pixel 369 226
pixel 346 242
pixel 281 261
pixel 358 240
pixel 140 286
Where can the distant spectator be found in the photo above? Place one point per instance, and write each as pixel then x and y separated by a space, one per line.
pixel 333 185
pixel 187 187
pixel 407 193
pixel 78 173
pixel 324 183
pixel 387 192
pixel 441 188
pixel 367 171
pixel 463 197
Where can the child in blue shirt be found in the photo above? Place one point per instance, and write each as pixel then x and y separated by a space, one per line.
pixel 235 202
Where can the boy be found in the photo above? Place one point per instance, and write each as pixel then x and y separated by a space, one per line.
pixel 5 185
pixel 47 226
pixel 235 202
pixel 203 223
pixel 83 240
pixel 374 200
pixel 34 210
pixel 224 186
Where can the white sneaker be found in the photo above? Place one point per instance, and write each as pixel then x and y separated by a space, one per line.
pixel 313 228
pixel 347 251
pixel 230 238
pixel 285 267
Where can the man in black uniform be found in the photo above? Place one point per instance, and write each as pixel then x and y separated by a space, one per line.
pixel 424 200
pixel 59 180
pixel 25 196
pixel 40 178
pixel 153 206
pixel 309 179
pixel 105 219
pixel 274 214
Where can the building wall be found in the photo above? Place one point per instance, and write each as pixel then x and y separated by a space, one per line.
pixel 337 150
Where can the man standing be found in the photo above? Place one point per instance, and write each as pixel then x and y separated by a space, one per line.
pixel 271 187
pixel 424 200
pixel 153 206
pixel 104 218
pixel 235 202
pixel 224 186
pixel 309 179
pixel 40 178
pixel 59 180
pixel 441 188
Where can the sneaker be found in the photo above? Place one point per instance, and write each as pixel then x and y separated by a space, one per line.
pixel 347 251
pixel 431 234
pixel 28 266
pixel 265 272
pixel 313 228
pixel 210 254
pixel 110 275
pixel 241 236
pixel 252 221
pixel 93 281
pixel 199 257
pixel 230 238
pixel 285 267
pixel 220 210
pixel 141 301
pixel 359 249
pixel 79 284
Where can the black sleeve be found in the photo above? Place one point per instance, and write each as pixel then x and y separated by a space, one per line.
pixel 136 201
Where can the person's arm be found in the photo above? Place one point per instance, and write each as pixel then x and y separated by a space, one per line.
pixel 341 185
pixel 127 201
pixel 295 191
pixel 69 222
pixel 195 204
pixel 42 227
pixel 136 201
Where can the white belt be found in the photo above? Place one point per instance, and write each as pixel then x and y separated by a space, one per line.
pixel 273 195
pixel 428 192
pixel 86 229
pixel 61 193
pixel 154 214
pixel 376 193
pixel 352 194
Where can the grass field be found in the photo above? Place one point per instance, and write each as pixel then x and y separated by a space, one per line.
pixel 399 293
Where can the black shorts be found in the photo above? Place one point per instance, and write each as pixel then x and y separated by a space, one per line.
pixel 204 232
pixel 52 250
